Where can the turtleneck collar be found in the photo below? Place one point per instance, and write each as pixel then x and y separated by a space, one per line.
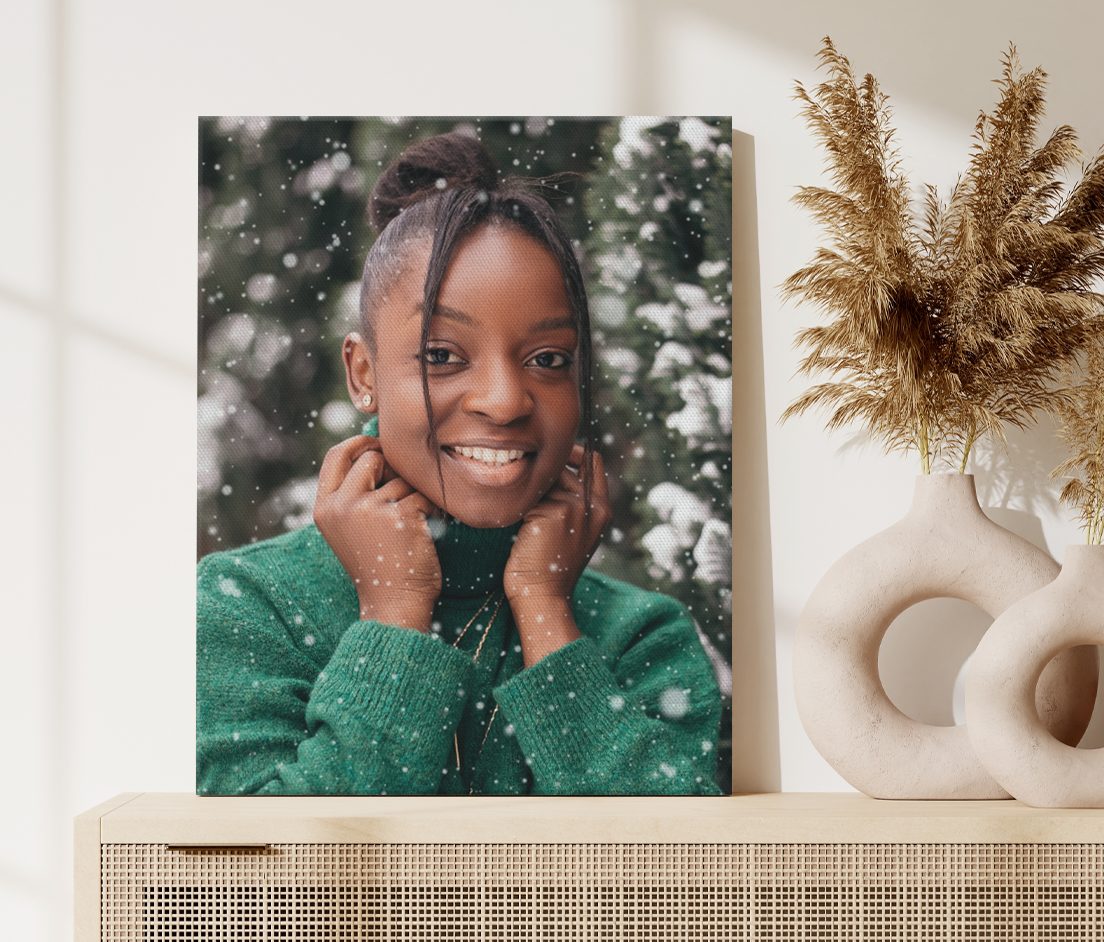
pixel 472 558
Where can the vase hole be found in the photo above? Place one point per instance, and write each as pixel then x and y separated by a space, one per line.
pixel 923 656
pixel 1094 735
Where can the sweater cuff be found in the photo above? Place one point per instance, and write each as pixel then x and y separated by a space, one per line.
pixel 399 680
pixel 565 707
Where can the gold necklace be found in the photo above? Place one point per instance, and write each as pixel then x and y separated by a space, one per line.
pixel 478 649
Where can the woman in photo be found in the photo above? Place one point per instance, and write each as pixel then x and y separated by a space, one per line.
pixel 436 630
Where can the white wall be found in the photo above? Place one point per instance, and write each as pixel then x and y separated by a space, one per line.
pixel 100 102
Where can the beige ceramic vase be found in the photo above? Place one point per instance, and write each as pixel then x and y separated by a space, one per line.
pixel 1014 746
pixel 945 546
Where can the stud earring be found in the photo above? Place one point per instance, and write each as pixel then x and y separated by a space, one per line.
pixel 367 399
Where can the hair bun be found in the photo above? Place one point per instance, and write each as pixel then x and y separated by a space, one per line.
pixel 454 157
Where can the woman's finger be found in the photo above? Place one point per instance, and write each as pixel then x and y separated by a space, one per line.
pixel 570 475
pixel 417 502
pixel 570 483
pixel 598 479
pixel 393 491
pixel 340 458
pixel 573 482
pixel 601 512
pixel 365 475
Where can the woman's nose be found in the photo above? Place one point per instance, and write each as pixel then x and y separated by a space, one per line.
pixel 499 392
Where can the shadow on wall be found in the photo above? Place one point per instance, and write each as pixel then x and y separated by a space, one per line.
pixel 922 658
pixel 756 758
pixel 1014 477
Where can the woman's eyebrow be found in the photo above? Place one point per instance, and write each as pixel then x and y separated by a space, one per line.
pixel 552 323
pixel 451 313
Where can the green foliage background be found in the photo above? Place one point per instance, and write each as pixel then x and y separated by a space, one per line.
pixel 282 238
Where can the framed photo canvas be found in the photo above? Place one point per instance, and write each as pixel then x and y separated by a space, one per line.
pixel 464 418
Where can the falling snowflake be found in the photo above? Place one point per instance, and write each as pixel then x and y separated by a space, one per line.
pixel 674 703
pixel 229 586
pixel 337 416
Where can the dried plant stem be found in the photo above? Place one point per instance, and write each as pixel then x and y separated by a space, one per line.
pixel 924 446
pixel 967 447
pixel 1094 523
pixel 1094 529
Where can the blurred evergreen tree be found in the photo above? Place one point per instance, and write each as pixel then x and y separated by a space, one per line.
pixel 659 244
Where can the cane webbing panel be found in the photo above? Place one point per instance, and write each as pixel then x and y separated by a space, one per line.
pixel 645 892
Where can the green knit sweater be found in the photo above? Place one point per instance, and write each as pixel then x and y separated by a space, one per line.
pixel 296 695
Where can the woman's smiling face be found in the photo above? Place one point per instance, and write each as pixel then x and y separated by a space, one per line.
pixel 503 381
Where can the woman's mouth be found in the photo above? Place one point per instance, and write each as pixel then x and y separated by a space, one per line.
pixel 494 467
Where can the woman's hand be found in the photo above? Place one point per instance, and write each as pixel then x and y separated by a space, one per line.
pixel 376 525
pixel 553 545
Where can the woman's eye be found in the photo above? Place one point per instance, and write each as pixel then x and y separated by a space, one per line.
pixel 550 359
pixel 440 356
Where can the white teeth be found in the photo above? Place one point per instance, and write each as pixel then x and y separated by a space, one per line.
pixel 489 455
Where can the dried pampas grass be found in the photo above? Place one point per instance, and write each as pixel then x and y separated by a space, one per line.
pixel 948 319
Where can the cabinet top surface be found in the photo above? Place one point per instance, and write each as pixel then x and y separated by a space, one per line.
pixel 794 817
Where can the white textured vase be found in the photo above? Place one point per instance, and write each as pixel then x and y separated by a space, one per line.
pixel 945 546
pixel 1016 748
